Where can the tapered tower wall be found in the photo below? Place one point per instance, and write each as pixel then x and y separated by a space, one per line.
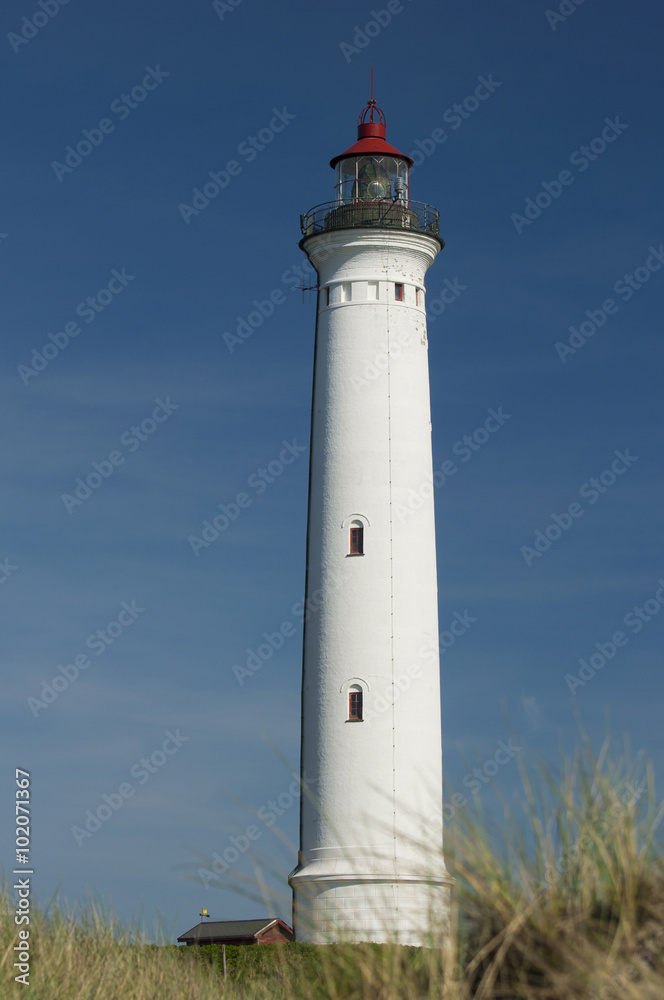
pixel 371 864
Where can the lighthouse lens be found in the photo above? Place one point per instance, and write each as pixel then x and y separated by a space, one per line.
pixel 370 181
pixel 378 189
pixel 371 178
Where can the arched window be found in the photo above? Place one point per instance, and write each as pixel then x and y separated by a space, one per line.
pixel 355 703
pixel 356 539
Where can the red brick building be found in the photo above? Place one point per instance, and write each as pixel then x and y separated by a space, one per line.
pixel 266 931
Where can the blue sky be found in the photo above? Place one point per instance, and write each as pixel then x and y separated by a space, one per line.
pixel 149 352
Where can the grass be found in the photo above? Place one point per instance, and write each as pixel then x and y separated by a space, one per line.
pixel 563 899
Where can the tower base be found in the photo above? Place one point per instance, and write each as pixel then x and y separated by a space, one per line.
pixel 382 911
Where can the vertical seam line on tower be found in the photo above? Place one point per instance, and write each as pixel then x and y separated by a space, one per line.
pixel 389 453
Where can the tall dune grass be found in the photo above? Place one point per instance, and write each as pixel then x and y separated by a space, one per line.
pixel 567 901
pixel 561 898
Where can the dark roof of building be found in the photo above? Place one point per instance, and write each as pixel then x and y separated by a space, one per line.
pixel 230 928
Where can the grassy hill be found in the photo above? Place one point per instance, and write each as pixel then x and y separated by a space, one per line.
pixel 565 901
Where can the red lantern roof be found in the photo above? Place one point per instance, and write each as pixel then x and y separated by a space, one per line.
pixel 371 137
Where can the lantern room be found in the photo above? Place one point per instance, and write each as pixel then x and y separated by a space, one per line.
pixel 371 170
pixel 372 186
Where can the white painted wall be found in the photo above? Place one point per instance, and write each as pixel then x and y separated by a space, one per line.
pixel 371 842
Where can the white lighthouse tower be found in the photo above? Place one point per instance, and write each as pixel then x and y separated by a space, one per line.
pixel 370 866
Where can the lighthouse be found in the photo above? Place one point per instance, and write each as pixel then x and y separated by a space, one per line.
pixel 370 865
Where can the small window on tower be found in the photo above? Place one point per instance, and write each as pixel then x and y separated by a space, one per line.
pixel 356 547
pixel 346 294
pixel 355 704
pixel 327 295
pixel 417 296
pixel 398 292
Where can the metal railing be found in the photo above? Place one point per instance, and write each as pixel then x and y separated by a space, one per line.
pixel 413 215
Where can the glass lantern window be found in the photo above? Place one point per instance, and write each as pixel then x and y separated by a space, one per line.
pixel 371 178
